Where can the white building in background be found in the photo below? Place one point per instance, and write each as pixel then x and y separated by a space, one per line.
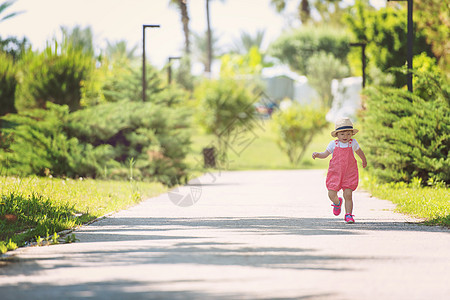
pixel 346 98
pixel 282 83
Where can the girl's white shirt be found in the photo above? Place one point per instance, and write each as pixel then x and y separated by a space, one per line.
pixel 332 145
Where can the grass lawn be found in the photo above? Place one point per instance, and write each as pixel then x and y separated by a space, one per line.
pixel 256 149
pixel 32 208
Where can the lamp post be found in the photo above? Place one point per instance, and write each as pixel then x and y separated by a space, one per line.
pixel 144 83
pixel 363 60
pixel 409 43
pixel 169 69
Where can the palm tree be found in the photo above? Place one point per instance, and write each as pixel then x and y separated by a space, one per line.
pixel 202 49
pixel 209 38
pixel 118 51
pixel 304 9
pixel 182 5
pixel 247 41
pixel 5 6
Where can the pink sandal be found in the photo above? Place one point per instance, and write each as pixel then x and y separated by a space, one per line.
pixel 337 208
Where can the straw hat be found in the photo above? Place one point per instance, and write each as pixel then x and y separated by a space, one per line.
pixel 342 125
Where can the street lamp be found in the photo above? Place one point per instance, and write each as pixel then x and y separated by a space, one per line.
pixel 169 69
pixel 409 43
pixel 363 60
pixel 144 83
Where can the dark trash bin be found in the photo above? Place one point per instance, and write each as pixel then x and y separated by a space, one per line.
pixel 209 157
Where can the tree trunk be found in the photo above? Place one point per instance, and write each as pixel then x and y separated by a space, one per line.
pixel 185 20
pixel 305 11
pixel 209 61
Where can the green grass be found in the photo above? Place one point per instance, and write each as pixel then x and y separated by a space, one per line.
pixel 42 206
pixel 256 149
pixel 431 204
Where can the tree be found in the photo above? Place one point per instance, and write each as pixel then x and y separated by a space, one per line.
pixel 182 6
pixel 225 106
pixel 329 10
pixel 385 33
pixel 80 39
pixel 118 51
pixel 201 48
pixel 322 68
pixel 246 41
pixel 296 47
pixel 433 19
pixel 304 9
pixel 209 38
pixel 3 7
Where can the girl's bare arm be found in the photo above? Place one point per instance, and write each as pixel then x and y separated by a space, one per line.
pixel 321 154
pixel 362 156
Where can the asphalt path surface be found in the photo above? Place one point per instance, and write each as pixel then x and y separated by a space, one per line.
pixel 240 235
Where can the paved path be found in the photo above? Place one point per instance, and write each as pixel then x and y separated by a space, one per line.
pixel 251 235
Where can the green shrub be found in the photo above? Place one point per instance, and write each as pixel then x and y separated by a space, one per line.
pixel 55 76
pixel 8 83
pixel 225 106
pixel 295 128
pixel 408 135
pixel 152 137
pixel 39 145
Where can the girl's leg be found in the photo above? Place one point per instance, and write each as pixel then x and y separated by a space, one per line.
pixel 333 195
pixel 348 196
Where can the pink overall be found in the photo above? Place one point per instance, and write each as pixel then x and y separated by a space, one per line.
pixel 343 169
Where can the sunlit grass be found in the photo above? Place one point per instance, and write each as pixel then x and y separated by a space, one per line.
pixel 31 207
pixel 429 203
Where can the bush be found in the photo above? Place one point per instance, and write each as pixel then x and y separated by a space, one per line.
pixel 115 140
pixel 8 82
pixel 408 135
pixel 39 145
pixel 295 128
pixel 225 106
pixel 55 76
pixel 152 140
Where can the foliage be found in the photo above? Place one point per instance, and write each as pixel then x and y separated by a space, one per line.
pixel 430 203
pixel 98 140
pixel 322 68
pixel 408 135
pixel 79 39
pixel 200 47
pixel 295 48
pixel 55 76
pixel 296 127
pixel 330 11
pixel 433 19
pixel 40 146
pixel 225 107
pixel 155 137
pixel 39 216
pixel 385 33
pixel 248 64
pixel 8 83
pixel 119 80
pixel 14 47
pixel 3 7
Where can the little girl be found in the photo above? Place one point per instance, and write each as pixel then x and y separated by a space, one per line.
pixel 343 169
